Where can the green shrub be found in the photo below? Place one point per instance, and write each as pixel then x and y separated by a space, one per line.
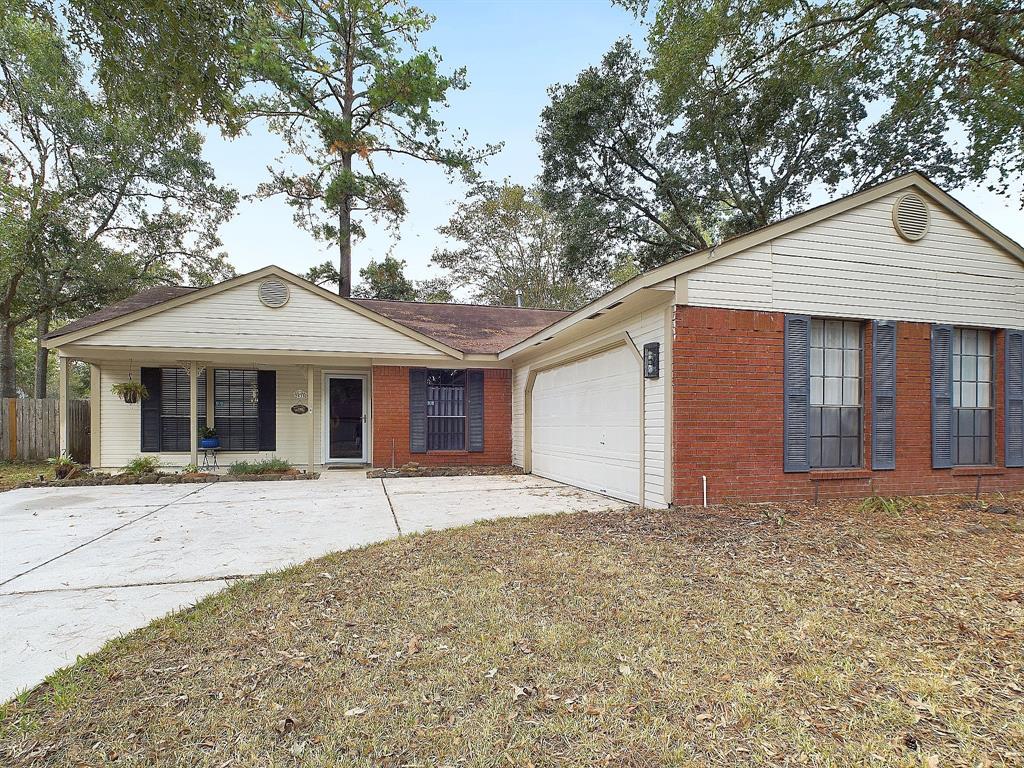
pixel 259 467
pixel 142 465
pixel 190 469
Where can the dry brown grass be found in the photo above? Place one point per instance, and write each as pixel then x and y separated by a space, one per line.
pixel 832 636
pixel 14 472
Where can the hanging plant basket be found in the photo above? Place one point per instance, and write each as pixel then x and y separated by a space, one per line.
pixel 130 391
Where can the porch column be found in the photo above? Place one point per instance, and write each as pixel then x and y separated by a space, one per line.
pixel 63 389
pixel 311 431
pixel 193 409
pixel 95 396
pixel 209 395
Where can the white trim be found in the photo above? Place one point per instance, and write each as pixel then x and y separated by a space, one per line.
pixel 325 417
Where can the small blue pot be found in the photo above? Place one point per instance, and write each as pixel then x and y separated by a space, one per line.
pixel 209 442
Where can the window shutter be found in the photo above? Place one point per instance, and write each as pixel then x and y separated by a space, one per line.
pixel 883 395
pixel 266 388
pixel 150 379
pixel 796 393
pixel 1014 398
pixel 942 396
pixel 417 410
pixel 476 410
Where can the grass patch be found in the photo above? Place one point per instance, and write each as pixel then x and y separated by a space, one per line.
pixel 13 473
pixel 261 467
pixel 844 637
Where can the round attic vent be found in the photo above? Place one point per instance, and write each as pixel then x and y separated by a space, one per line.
pixel 273 293
pixel 910 216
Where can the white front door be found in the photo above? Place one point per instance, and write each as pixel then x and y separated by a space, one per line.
pixel 586 424
pixel 345 411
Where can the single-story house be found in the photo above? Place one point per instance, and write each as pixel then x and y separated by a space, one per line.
pixel 871 345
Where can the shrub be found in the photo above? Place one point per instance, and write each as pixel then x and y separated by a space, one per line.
pixel 259 467
pixel 142 465
pixel 190 469
pixel 894 506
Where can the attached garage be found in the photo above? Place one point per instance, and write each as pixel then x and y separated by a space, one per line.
pixel 585 423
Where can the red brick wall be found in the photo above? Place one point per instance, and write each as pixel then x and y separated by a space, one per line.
pixel 390 407
pixel 727 416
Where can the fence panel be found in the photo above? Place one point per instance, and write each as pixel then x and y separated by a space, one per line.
pixel 29 429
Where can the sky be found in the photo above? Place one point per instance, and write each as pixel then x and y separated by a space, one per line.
pixel 514 51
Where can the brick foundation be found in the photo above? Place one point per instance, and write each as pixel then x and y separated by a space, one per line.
pixel 390 404
pixel 727 417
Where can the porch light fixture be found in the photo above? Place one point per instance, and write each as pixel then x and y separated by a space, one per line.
pixel 652 360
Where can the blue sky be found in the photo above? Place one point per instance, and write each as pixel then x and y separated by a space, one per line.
pixel 514 51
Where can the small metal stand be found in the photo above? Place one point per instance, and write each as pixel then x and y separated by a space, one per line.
pixel 209 458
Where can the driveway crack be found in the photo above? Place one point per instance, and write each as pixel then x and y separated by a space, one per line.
pixel 104 535
pixel 392 506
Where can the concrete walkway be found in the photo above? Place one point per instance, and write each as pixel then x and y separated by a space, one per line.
pixel 79 566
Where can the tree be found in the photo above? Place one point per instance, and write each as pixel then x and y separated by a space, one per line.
pixel 508 242
pixel 346 85
pixel 929 65
pixel 386 280
pixel 95 204
pixel 663 172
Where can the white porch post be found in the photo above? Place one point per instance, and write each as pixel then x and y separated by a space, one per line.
pixel 63 388
pixel 193 409
pixel 95 396
pixel 209 395
pixel 311 431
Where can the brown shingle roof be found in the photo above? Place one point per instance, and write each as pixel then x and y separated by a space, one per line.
pixel 472 328
pixel 141 300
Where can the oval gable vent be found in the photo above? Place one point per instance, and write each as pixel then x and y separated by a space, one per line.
pixel 910 216
pixel 273 293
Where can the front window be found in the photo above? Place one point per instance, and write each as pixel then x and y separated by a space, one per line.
pixel 972 396
pixel 446 410
pixel 236 409
pixel 175 404
pixel 835 430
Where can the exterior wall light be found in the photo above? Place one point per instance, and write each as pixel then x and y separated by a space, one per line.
pixel 652 360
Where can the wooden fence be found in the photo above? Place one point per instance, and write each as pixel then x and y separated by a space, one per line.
pixel 29 429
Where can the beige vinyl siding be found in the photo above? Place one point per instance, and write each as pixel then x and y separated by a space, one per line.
pixel 855 265
pixel 120 438
pixel 236 319
pixel 642 327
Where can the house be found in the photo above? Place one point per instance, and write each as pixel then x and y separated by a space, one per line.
pixel 867 346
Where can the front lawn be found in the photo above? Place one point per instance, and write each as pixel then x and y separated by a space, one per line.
pixel 13 473
pixel 832 636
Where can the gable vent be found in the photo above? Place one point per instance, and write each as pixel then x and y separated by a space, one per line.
pixel 273 293
pixel 910 216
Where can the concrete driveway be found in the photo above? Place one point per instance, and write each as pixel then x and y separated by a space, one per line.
pixel 79 566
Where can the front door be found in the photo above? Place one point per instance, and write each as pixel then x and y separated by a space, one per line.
pixel 346 419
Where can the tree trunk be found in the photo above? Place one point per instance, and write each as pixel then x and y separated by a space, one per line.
pixel 345 214
pixel 8 371
pixel 345 248
pixel 42 354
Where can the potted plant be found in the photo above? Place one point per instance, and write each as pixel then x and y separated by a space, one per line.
pixel 130 391
pixel 208 438
pixel 63 466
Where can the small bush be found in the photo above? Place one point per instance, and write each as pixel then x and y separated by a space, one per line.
pixel 190 469
pixel 143 465
pixel 259 467
pixel 894 506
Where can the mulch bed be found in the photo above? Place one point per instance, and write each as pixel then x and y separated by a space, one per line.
pixel 413 469
pixel 160 478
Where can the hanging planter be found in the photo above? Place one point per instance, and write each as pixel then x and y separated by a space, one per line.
pixel 130 391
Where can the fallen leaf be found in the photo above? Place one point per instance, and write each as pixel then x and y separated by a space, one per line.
pixel 355 712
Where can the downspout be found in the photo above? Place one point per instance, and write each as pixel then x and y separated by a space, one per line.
pixel 643 421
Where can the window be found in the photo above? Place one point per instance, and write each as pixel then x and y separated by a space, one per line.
pixel 835 401
pixel 236 409
pixel 446 410
pixel 175 404
pixel 972 396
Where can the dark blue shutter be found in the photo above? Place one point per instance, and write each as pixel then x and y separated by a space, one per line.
pixel 883 395
pixel 476 410
pixel 417 410
pixel 150 379
pixel 796 393
pixel 942 396
pixel 266 411
pixel 1014 384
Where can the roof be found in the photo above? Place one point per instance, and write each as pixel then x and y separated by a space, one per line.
pixel 471 328
pixel 141 300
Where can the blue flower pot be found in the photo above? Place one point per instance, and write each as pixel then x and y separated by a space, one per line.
pixel 209 442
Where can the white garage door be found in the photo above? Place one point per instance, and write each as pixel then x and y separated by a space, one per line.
pixel 586 424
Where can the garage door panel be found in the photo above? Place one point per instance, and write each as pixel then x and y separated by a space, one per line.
pixel 586 424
